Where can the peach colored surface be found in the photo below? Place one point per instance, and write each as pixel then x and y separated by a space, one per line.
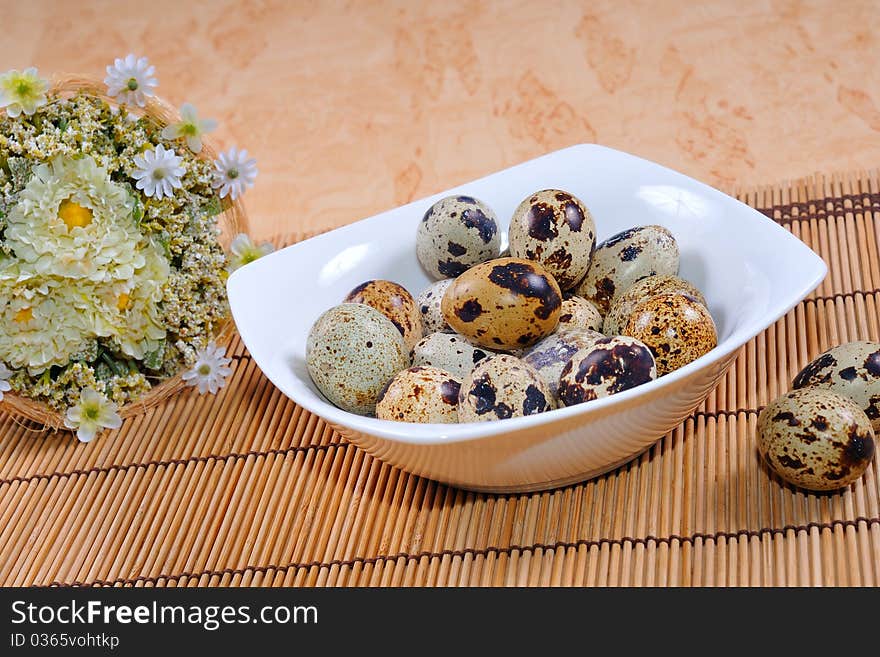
pixel 353 108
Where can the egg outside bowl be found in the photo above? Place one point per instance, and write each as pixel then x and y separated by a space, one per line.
pixel 751 270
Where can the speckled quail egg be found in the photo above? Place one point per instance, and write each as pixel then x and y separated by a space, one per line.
pixel 428 303
pixel 554 228
pixel 676 327
pixel 500 387
pixel 449 352
pixel 607 366
pixel 625 258
pixel 623 305
pixel 393 301
pixel 551 354
pixel 420 394
pixel 505 303
pixel 852 370
pixel 351 353
pixel 815 439
pixel 456 233
pixel 580 313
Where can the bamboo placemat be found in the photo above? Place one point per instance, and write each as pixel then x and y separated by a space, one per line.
pixel 248 489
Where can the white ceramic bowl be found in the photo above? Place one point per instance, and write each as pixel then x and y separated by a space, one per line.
pixel 751 271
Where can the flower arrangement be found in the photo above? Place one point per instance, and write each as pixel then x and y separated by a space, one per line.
pixel 112 272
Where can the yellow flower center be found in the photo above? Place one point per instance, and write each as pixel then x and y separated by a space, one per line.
pixel 24 315
pixel 123 301
pixel 74 215
pixel 204 370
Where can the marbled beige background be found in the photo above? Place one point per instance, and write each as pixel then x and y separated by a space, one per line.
pixel 355 107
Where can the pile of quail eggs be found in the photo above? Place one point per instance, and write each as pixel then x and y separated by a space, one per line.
pixel 820 436
pixel 556 322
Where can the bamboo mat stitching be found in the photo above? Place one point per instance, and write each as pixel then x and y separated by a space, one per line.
pixel 492 550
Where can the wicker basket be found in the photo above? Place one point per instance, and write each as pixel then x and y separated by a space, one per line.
pixel 231 222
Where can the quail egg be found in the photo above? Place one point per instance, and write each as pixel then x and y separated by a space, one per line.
pixel 641 290
pixel 607 366
pixel 554 228
pixel 505 303
pixel 578 312
pixel 550 355
pixel 449 352
pixel 676 327
pixel 852 370
pixel 815 438
pixel 625 258
pixel 501 387
pixel 456 233
pixel 428 303
pixel 393 301
pixel 351 353
pixel 420 394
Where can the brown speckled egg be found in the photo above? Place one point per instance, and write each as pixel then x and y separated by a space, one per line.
pixel 351 353
pixel 428 303
pixel 456 233
pixel 607 366
pixel 852 370
pixel 623 306
pixel 577 312
pixel 450 352
pixel 420 394
pixel 815 439
pixel 554 228
pixel 501 387
pixel 505 303
pixel 550 355
pixel 625 258
pixel 677 328
pixel 393 301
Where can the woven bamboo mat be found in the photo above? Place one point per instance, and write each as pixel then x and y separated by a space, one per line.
pixel 248 489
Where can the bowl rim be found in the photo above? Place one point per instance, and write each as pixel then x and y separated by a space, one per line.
pixel 443 434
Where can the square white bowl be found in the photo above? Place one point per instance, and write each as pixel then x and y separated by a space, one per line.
pixel 751 270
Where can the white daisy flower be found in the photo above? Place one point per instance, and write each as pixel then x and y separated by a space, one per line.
pixel 22 92
pixel 93 413
pixel 234 172
pixel 158 172
pixel 244 251
pixel 191 128
pixel 5 373
pixel 209 372
pixel 131 80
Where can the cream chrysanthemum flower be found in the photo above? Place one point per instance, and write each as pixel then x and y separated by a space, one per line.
pixel 234 172
pixel 41 324
pixel 245 251
pixel 22 93
pixel 191 128
pixel 131 80
pixel 210 370
pixel 72 221
pixel 128 311
pixel 5 373
pixel 158 172
pixel 93 413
